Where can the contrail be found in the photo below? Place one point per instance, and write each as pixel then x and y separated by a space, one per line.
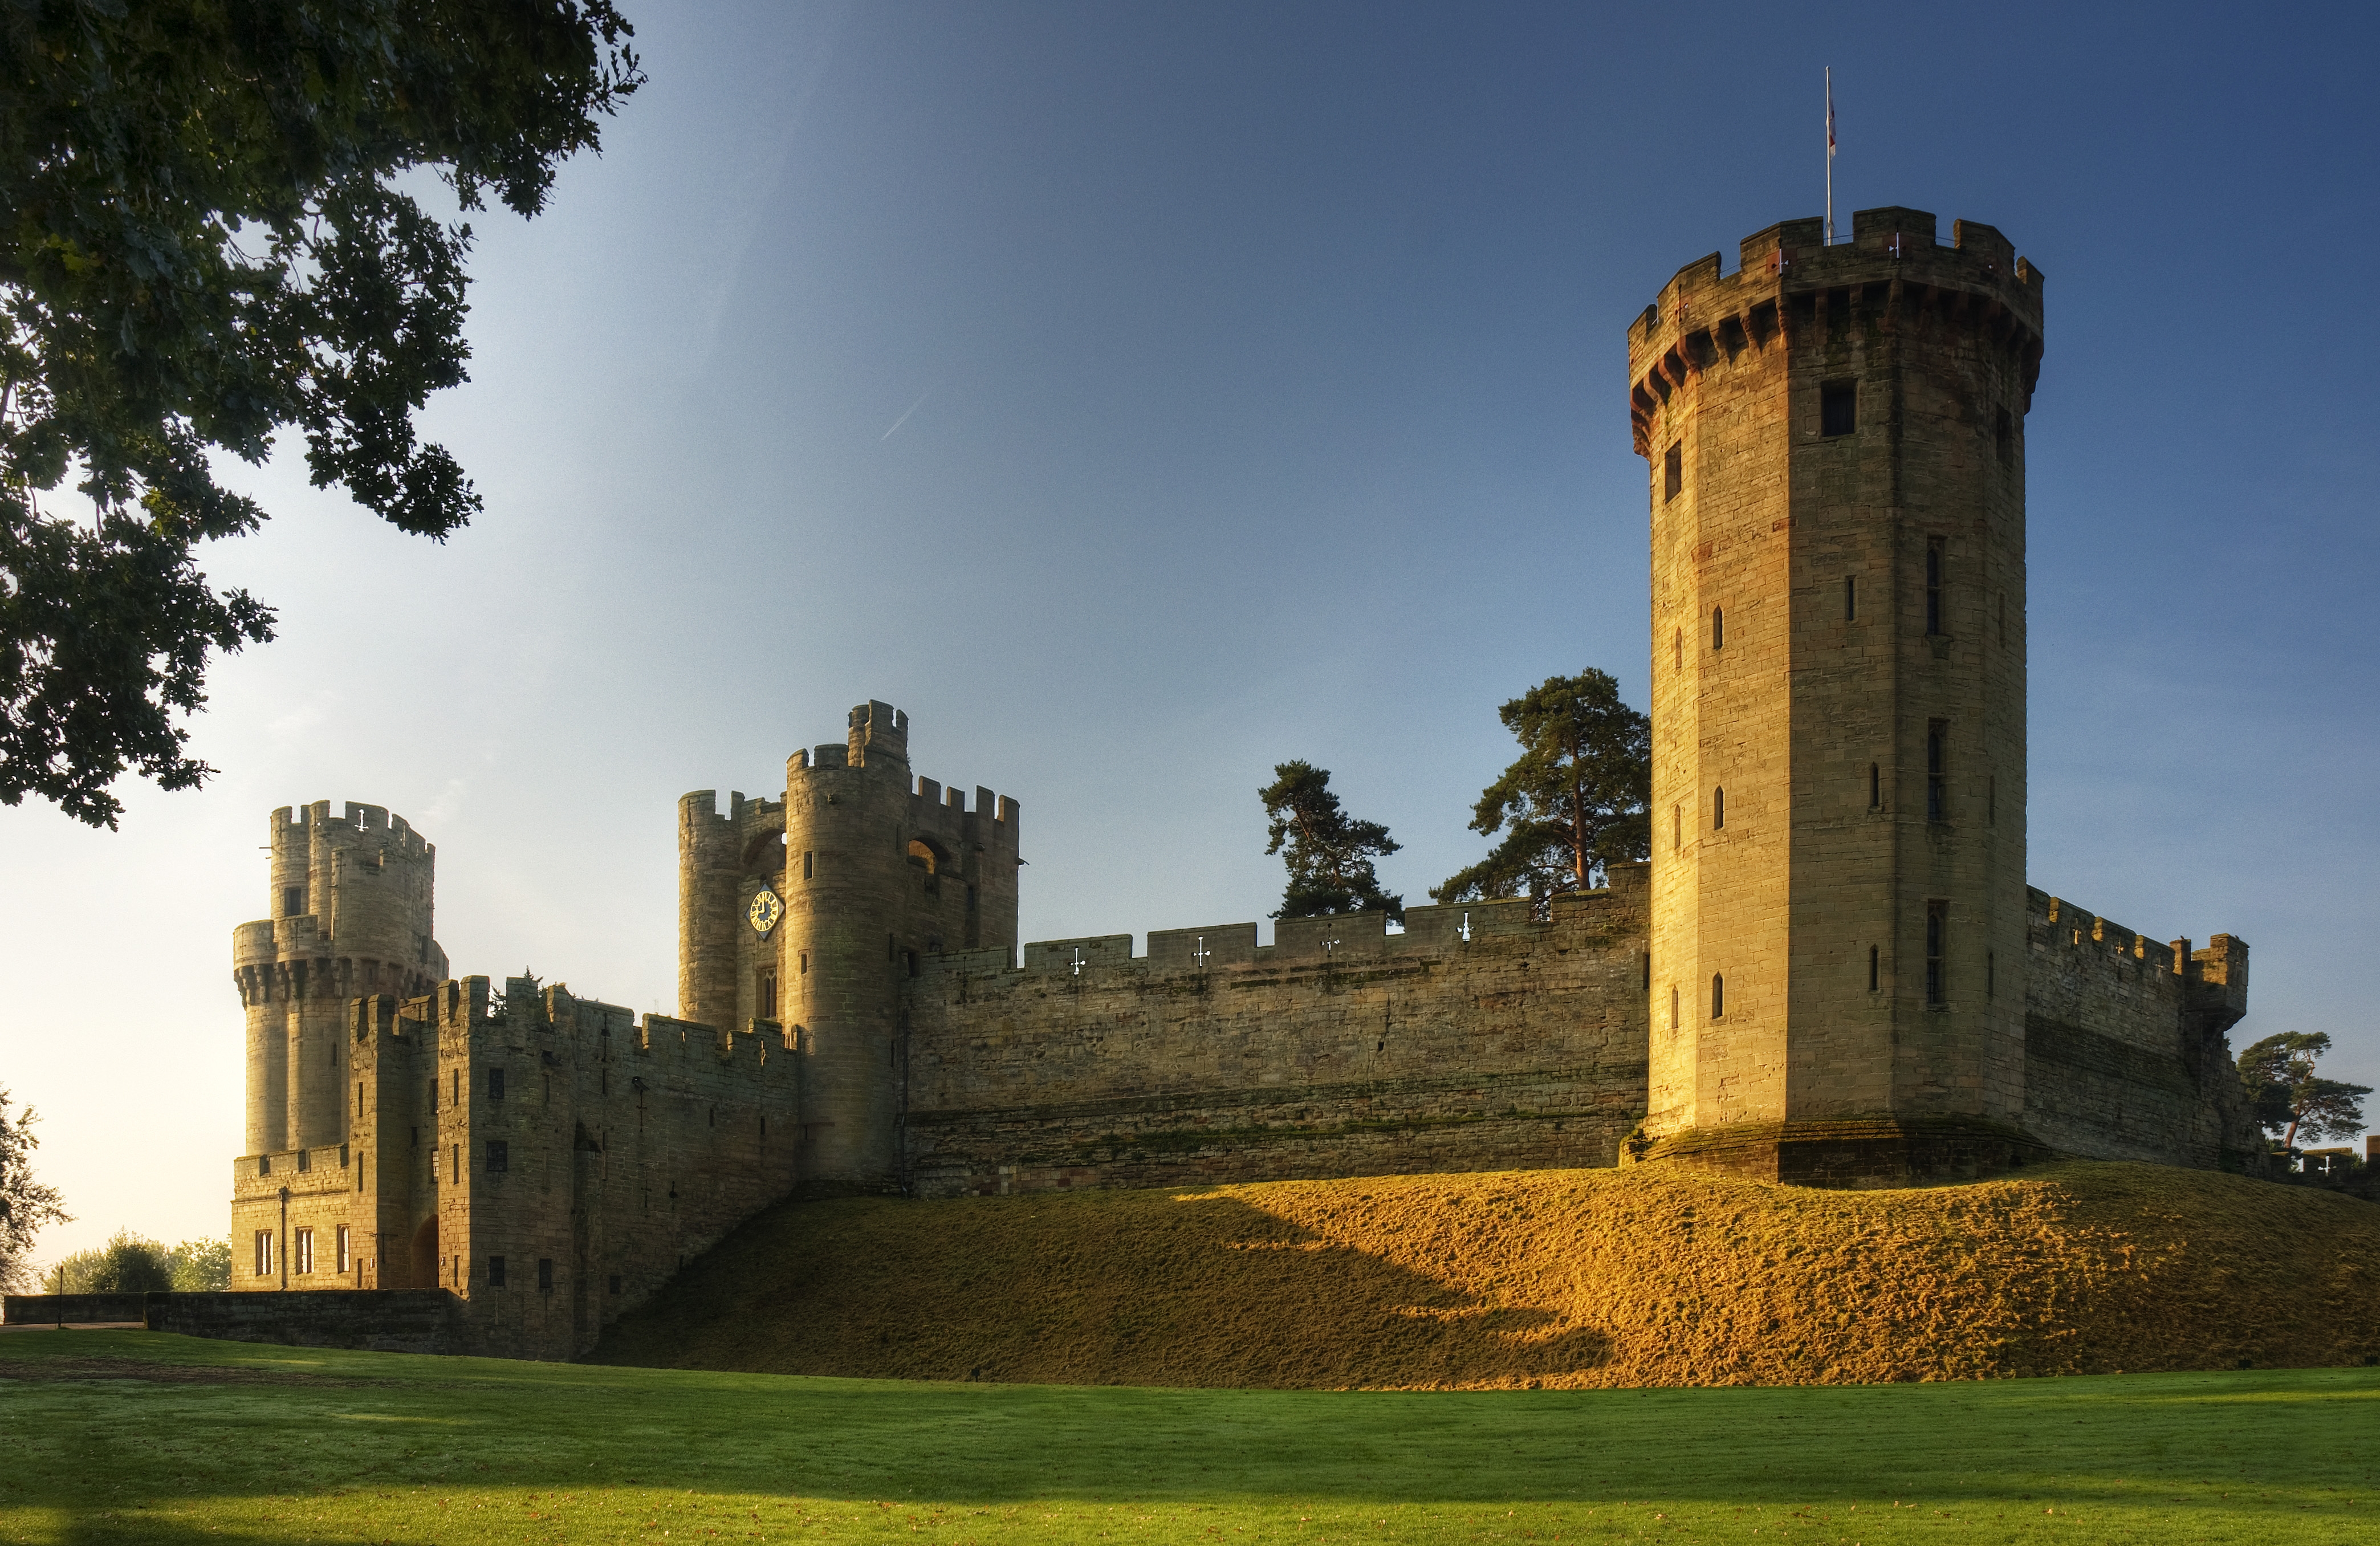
pixel 904 417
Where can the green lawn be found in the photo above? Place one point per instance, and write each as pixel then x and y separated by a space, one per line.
pixel 220 1442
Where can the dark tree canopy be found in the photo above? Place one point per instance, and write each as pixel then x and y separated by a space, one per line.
pixel 1574 801
pixel 24 1204
pixel 203 241
pixel 1329 853
pixel 2290 1098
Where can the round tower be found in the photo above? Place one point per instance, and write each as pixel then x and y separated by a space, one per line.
pixel 1835 442
pixel 351 913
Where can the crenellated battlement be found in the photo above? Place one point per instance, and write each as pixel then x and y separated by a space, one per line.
pixel 1789 282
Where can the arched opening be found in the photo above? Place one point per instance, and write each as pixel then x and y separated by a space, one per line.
pixel 1719 995
pixel 1718 629
pixel 1719 809
pixel 424 1265
pixel 927 856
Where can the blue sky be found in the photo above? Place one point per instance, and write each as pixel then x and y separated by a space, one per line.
pixel 1140 396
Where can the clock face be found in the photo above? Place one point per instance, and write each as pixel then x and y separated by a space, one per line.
pixel 765 910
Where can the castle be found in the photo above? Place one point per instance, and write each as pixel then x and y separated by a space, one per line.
pixel 1831 970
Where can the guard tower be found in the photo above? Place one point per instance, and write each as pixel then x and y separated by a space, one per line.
pixel 811 912
pixel 1835 442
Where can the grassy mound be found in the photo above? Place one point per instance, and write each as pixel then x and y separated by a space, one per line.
pixel 1648 1277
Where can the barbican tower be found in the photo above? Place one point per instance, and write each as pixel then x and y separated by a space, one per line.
pixel 1835 442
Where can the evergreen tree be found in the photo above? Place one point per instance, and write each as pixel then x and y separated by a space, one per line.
pixel 207 235
pixel 2289 1095
pixel 1573 802
pixel 1329 853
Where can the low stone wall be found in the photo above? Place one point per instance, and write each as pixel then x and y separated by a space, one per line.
pixel 385 1320
pixel 71 1310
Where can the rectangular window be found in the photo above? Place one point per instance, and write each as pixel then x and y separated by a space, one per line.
pixel 264 1253
pixel 1677 827
pixel 1875 968
pixel 1876 787
pixel 1937 926
pixel 766 997
pixel 1992 801
pixel 495 1272
pixel 454 1162
pixel 301 1252
pixel 346 1261
pixel 500 1156
pixel 545 1274
pixel 293 901
pixel 1851 598
pixel 809 866
pixel 1937 799
pixel 495 1084
pixel 1673 470
pixel 454 1083
pixel 1991 987
pixel 264 1165
pixel 1933 557
pixel 1838 408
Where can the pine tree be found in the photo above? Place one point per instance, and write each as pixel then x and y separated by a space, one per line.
pixel 1329 853
pixel 1574 801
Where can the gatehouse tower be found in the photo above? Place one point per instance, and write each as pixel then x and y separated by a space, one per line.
pixel 1835 436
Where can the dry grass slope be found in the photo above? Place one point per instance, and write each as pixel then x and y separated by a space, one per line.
pixel 1648 1276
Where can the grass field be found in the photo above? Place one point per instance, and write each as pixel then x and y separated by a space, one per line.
pixel 130 1436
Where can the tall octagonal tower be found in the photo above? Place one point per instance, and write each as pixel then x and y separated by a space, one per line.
pixel 1835 442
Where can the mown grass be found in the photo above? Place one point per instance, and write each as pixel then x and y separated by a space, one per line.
pixel 224 1443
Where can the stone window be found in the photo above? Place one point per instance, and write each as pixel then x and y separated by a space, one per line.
pixel 1719 809
pixel 1838 408
pixel 301 1252
pixel 1875 968
pixel 1673 470
pixel 765 997
pixel 805 963
pixel 1937 927
pixel 1718 629
pixel 1851 598
pixel 495 1272
pixel 455 1163
pixel 264 1165
pixel 500 1156
pixel 1937 797
pixel 1990 986
pixel 454 1085
pixel 545 1274
pixel 346 1261
pixel 293 901
pixel 809 866
pixel 1719 995
pixel 1934 565
pixel 909 959
pixel 1992 800
pixel 1677 827
pixel 495 1084
pixel 1678 650
pixel 1875 787
pixel 264 1253
pixel 1673 1006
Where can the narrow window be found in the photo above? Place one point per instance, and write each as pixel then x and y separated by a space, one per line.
pixel 1838 408
pixel 1875 787
pixel 970 898
pixel 1991 984
pixel 1718 629
pixel 1648 971
pixel 1936 799
pixel 1719 995
pixel 1851 598
pixel 545 1274
pixel 909 958
pixel 455 1163
pixel 264 1253
pixel 343 1156
pixel 806 965
pixel 766 996
pixel 1875 968
pixel 301 1252
pixel 2004 439
pixel 455 1079
pixel 344 1259
pixel 1673 470
pixel 2003 616
pixel 495 1272
pixel 264 1165
pixel 495 1084
pixel 1677 827
pixel 1933 587
pixel 500 1156
pixel 1719 809
pixel 809 865
pixel 1938 925
pixel 293 901
pixel 1673 1006
pixel 360 1099
pixel 1992 801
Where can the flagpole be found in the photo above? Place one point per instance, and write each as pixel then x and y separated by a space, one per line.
pixel 1831 156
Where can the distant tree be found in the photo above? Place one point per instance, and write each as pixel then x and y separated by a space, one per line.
pixel 207 235
pixel 24 1204
pixel 1573 802
pixel 128 1263
pixel 2278 1072
pixel 201 1266
pixel 1329 853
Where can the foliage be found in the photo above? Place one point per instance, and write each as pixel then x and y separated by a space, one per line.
pixel 1575 801
pixel 2290 1098
pixel 131 1263
pixel 205 238
pixel 201 1266
pixel 274 1446
pixel 1329 852
pixel 24 1204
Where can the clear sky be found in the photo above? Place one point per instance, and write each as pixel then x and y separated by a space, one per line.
pixel 1141 396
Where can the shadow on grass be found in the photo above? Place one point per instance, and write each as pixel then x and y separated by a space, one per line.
pixel 293 1431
